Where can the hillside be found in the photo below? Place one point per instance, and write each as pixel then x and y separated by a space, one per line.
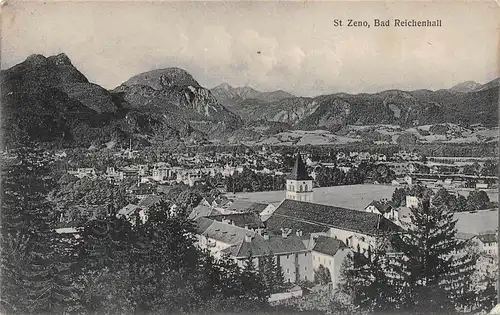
pixel 230 96
pixel 48 99
pixel 466 87
pixel 389 107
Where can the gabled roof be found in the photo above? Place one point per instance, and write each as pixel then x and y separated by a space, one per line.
pixel 488 238
pixel 226 233
pixel 201 211
pixel 381 207
pixel 311 217
pixel 149 201
pixel 250 219
pixel 276 245
pixel 128 210
pixel 245 205
pixel 299 171
pixel 327 245
pixel 257 207
pixel 202 224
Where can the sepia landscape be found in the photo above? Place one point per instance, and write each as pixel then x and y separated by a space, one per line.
pixel 171 190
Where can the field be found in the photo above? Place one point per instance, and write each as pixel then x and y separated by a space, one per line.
pixel 380 134
pixel 355 197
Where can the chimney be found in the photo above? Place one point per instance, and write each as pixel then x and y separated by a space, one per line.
pixel 266 236
pixel 248 238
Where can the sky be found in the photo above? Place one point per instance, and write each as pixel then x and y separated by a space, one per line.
pixel 293 46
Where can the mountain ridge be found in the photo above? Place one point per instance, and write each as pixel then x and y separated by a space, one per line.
pixel 49 99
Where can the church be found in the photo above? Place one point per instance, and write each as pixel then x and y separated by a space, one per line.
pixel 358 230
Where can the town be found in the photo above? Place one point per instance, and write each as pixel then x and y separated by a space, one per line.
pixel 305 212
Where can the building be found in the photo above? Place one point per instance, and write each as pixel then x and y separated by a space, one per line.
pixel 488 244
pixel 217 236
pixel 357 229
pixel 299 183
pixel 287 249
pixel 412 201
pixel 329 253
pixel 385 209
pixel 84 172
pixel 247 220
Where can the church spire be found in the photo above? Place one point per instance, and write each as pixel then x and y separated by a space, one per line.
pixel 299 171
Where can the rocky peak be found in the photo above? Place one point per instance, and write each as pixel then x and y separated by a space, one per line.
pixel 60 60
pixel 163 78
pixel 36 60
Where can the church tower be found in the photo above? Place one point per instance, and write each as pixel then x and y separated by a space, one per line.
pixel 299 184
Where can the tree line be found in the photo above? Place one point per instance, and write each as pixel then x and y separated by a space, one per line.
pixel 424 269
pixel 476 200
pixel 114 266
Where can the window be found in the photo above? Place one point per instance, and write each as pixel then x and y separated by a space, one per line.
pixel 288 271
pixel 300 188
pixel 306 277
pixel 305 268
pixel 306 188
pixel 305 254
pixel 287 256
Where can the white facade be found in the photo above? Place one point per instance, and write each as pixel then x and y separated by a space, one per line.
pixel 300 190
pixel 332 263
pixel 412 201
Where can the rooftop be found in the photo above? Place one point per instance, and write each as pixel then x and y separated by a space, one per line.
pixel 259 246
pixel 226 233
pixel 299 171
pixel 311 217
pixel 202 211
pixel 327 245
pixel 249 219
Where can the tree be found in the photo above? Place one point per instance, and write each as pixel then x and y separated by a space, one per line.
pixel 322 275
pixel 461 204
pixel 35 261
pixel 433 268
pixel 364 281
pixel 399 197
pixel 478 200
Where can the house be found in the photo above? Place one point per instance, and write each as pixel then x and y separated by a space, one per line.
pixel 333 221
pixel 217 236
pixel 329 253
pixel 488 243
pixel 130 212
pixel 141 190
pixel 412 201
pixel 482 186
pixel 114 174
pixel 385 209
pixel 202 210
pixel 247 220
pixel 84 172
pixel 287 249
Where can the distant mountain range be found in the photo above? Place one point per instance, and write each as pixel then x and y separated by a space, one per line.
pixel 465 103
pixel 48 99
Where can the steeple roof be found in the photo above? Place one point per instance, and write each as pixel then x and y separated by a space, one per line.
pixel 299 171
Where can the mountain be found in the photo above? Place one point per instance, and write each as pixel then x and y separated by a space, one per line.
pixel 493 84
pixel 48 99
pixel 230 96
pixel 388 107
pixel 466 87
